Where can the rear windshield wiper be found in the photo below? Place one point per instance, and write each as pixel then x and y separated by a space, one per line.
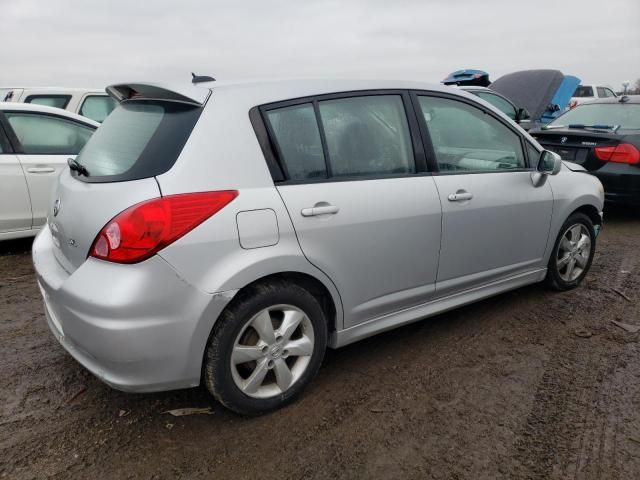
pixel 77 167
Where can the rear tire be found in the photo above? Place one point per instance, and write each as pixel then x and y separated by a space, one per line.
pixel 265 348
pixel 572 253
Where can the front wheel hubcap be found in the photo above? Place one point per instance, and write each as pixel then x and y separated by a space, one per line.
pixel 272 351
pixel 573 252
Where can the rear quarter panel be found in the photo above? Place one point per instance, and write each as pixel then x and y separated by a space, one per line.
pixel 223 154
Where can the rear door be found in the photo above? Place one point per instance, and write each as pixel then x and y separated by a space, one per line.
pixel 44 143
pixel 495 222
pixel 15 205
pixel 364 210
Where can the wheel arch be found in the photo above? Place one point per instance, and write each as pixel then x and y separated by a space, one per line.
pixel 329 301
pixel 310 283
pixel 590 211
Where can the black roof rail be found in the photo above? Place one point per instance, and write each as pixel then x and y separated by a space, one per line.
pixel 201 78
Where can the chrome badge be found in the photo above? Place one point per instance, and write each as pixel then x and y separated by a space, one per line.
pixel 563 140
pixel 56 207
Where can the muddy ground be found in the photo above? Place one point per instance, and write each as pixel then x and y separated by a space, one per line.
pixel 529 384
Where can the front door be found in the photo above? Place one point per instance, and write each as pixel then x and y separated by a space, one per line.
pixel 495 221
pixel 362 212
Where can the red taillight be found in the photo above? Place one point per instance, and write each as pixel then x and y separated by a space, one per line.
pixel 573 104
pixel 142 230
pixel 621 153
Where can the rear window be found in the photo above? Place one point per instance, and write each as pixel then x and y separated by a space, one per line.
pixel 139 139
pixel 57 101
pixel 611 114
pixel 97 107
pixel 582 91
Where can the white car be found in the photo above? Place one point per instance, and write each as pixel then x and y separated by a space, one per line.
pixel 586 93
pixel 35 145
pixel 92 103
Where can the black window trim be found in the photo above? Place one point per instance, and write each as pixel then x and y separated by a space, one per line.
pixel 426 137
pixel 273 156
pixel 7 136
pixel 5 145
pixel 67 97
pixel 13 138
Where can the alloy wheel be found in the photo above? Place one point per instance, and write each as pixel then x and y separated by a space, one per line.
pixel 272 351
pixel 573 252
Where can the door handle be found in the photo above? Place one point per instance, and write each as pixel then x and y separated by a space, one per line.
pixel 41 169
pixel 460 196
pixel 319 210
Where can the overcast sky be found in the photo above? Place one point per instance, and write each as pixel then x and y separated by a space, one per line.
pixel 96 43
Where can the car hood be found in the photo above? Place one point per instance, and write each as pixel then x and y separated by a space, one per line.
pixel 544 93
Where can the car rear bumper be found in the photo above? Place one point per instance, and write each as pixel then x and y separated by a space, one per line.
pixel 138 327
pixel 621 183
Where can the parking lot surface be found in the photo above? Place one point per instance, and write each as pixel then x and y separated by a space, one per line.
pixel 528 384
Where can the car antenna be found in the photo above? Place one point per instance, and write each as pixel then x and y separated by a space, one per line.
pixel 201 78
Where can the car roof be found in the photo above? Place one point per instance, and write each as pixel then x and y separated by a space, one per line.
pixel 59 90
pixel 33 107
pixel 472 87
pixel 257 92
pixel 632 99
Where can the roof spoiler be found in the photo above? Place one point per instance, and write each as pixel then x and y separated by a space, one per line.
pixel 190 94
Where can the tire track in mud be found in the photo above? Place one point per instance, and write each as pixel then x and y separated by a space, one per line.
pixel 572 428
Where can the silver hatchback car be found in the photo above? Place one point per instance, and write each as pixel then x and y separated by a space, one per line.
pixel 228 234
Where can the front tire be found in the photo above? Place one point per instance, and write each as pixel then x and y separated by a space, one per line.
pixel 265 348
pixel 572 253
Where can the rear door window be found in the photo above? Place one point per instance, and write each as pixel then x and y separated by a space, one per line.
pixel 367 136
pixel 97 107
pixel 48 134
pixel 57 101
pixel 298 141
pixel 358 136
pixel 139 139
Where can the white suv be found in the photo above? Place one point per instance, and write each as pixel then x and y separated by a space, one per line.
pixel 586 93
pixel 92 103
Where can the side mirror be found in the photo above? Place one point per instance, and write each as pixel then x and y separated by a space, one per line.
pixel 549 163
pixel 522 114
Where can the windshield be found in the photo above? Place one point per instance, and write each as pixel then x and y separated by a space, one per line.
pixel 139 139
pixel 612 114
